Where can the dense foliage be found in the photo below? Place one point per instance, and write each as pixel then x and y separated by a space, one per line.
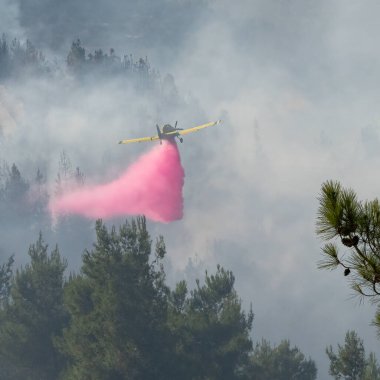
pixel 23 59
pixel 18 58
pixel 32 315
pixel 117 318
pixel 281 363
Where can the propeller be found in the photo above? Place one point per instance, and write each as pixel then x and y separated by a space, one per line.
pixel 159 133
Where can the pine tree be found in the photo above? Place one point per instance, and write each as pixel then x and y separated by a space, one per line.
pixel 14 195
pixel 79 177
pixel 210 328
pixel 118 308
pixel 372 369
pixel 34 316
pixel 16 186
pixel 6 274
pixel 349 362
pixel 65 174
pixel 39 195
pixel 77 55
pixel 5 58
pixel 280 362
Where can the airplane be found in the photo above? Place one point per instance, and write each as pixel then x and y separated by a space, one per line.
pixel 168 132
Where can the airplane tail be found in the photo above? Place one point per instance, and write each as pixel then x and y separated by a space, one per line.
pixel 159 133
pixel 177 129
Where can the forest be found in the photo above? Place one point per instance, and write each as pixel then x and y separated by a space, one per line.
pixel 116 318
pixel 112 314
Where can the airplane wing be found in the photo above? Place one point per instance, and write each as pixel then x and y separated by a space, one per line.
pixel 198 128
pixel 141 139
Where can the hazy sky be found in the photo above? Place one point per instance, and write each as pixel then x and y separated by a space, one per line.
pixel 296 84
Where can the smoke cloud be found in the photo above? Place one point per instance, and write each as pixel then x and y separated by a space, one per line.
pixel 295 84
pixel 151 186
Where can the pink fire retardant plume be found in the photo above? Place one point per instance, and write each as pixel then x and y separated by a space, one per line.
pixel 151 186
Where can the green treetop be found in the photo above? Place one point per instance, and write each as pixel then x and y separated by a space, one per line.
pixel 33 316
pixel 211 329
pixel 350 362
pixel 118 308
pixel 280 362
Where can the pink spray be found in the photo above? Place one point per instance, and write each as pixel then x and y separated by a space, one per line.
pixel 152 186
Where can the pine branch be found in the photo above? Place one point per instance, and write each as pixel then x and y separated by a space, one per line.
pixel 330 260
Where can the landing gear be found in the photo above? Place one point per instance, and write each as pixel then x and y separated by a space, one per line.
pixel 181 140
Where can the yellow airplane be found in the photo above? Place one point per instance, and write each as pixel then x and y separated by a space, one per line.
pixel 167 132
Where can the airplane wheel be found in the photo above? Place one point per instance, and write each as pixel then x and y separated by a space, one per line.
pixel 181 140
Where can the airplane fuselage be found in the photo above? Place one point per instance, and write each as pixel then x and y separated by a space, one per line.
pixel 167 128
pixel 168 132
